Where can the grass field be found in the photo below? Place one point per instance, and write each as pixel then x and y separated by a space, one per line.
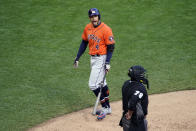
pixel 39 41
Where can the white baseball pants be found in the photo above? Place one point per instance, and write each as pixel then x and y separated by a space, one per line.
pixel 97 71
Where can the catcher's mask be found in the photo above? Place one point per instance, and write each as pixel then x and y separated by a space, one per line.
pixel 138 73
pixel 94 11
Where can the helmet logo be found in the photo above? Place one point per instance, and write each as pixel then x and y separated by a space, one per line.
pixel 94 12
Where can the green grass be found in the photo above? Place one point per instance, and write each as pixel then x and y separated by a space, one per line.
pixel 39 41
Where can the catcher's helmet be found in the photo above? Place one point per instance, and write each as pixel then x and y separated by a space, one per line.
pixel 94 11
pixel 138 73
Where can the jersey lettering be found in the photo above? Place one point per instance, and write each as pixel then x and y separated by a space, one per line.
pixel 93 37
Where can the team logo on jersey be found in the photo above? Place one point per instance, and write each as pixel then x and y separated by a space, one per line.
pixel 93 37
pixel 111 38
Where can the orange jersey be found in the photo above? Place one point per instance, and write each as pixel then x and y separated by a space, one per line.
pixel 98 38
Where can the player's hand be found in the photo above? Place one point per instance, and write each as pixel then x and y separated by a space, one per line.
pixel 128 116
pixel 107 68
pixel 76 62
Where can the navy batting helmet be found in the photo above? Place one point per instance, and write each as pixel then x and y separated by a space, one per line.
pixel 138 73
pixel 93 12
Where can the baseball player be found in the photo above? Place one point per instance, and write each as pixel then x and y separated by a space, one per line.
pixel 99 38
pixel 135 100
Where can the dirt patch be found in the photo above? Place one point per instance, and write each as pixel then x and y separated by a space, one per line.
pixel 175 111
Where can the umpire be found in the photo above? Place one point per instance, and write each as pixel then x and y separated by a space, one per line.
pixel 135 100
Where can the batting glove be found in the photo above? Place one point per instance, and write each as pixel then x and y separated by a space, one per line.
pixel 76 62
pixel 107 67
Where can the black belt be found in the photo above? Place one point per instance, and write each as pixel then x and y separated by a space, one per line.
pixel 96 55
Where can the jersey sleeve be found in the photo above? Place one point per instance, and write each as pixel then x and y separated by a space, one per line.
pixel 109 38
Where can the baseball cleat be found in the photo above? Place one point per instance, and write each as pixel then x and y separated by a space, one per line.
pixel 101 116
pixel 105 110
pixel 98 112
pixel 108 111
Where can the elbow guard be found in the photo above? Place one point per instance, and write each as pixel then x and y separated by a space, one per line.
pixel 110 47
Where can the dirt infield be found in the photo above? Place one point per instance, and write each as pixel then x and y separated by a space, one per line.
pixel 175 111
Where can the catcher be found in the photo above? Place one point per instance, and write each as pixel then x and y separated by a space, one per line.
pixel 135 100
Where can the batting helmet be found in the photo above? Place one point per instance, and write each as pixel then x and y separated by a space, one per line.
pixel 138 73
pixel 93 12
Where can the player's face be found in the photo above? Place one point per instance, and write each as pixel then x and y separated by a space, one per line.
pixel 94 20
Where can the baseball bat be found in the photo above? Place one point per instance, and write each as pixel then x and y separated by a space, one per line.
pixel 96 103
pixel 98 97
